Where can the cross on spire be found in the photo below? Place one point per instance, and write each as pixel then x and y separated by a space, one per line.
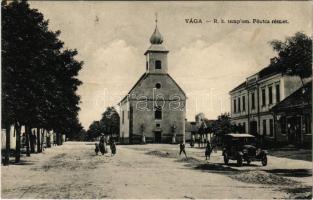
pixel 156 19
pixel 156 37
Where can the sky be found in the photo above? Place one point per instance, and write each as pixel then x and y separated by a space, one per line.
pixel 207 60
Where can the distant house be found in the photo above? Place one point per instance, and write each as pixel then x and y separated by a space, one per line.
pixel 252 100
pixel 193 128
pixel 190 129
pixel 294 117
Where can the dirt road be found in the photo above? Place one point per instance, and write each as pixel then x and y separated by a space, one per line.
pixel 144 171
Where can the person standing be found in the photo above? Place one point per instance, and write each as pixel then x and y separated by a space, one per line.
pixel 182 149
pixel 192 141
pixel 208 151
pixel 113 148
pixel 198 139
pixel 102 144
pixel 96 148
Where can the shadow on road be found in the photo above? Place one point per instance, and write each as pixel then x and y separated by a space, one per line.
pixel 233 164
pixel 216 168
pixel 22 162
pixel 291 172
pixel 299 192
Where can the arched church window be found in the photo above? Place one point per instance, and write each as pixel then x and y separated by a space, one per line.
pixel 158 112
pixel 158 64
pixel 158 85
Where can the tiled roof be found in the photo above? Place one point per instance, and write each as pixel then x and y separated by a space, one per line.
pixel 270 70
pixel 299 99
pixel 242 85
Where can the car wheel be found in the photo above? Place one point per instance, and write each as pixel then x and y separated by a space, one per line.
pixel 226 159
pixel 264 160
pixel 239 161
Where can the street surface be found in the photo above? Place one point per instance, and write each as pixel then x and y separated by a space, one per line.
pixel 150 171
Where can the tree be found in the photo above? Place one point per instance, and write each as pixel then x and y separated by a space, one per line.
pixel 38 76
pixel 110 121
pixel 94 130
pixel 108 125
pixel 294 55
pixel 222 125
pixel 81 136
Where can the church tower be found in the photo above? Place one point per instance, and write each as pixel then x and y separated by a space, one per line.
pixel 154 109
pixel 156 55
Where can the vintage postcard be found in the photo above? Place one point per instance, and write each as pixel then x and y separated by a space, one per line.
pixel 156 100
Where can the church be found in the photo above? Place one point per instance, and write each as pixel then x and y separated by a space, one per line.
pixel 154 109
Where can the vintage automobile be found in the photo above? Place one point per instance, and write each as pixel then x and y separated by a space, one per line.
pixel 242 147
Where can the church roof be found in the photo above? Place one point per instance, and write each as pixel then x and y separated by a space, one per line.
pixel 144 76
pixel 156 48
pixel 139 80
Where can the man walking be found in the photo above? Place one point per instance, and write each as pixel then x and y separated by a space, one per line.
pixel 182 149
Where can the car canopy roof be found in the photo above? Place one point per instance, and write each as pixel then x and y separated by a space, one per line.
pixel 239 135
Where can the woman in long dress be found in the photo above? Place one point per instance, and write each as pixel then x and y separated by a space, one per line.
pixel 113 148
pixel 102 145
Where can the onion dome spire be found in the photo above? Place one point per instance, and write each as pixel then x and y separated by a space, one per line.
pixel 156 37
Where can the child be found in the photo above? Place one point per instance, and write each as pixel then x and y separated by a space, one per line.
pixel 113 148
pixel 97 148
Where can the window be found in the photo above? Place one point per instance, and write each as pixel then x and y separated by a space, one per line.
pixel 123 117
pixel 264 127
pixel 158 112
pixel 243 103
pixel 270 95
pixel 252 101
pixel 244 127
pixel 277 93
pixel 239 109
pixel 158 64
pixel 235 106
pixel 146 65
pixel 271 127
pixel 263 97
pixel 158 125
pixel 158 85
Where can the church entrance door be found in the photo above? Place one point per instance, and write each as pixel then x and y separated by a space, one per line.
pixel 157 136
